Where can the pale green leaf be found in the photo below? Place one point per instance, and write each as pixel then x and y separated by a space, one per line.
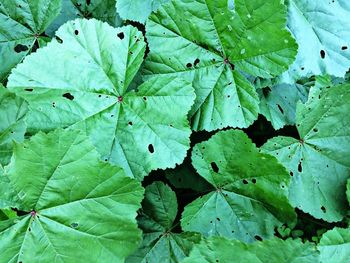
pixel 137 10
pixel 103 10
pixel 279 103
pixel 160 245
pixel 140 130
pixel 12 125
pixel 335 246
pixel 319 161
pixel 251 190
pixel 321 29
pixel 21 24
pixel 212 46
pixel 218 249
pixel 79 208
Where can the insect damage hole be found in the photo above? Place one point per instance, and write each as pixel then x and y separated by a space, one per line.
pixel 20 48
pixel 121 35
pixel 215 167
pixel 68 96
pixel 151 148
pixel 76 32
pixel 300 167
pixel 280 108
pixel 323 54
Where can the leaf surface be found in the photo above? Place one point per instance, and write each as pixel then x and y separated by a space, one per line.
pixel 78 208
pixel 12 125
pixel 322 32
pixel 137 10
pixel 319 162
pixel 335 246
pixel 159 245
pixel 140 130
pixel 22 23
pixel 214 47
pixel 218 249
pixel 251 190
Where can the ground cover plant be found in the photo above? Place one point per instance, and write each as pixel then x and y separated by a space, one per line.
pixel 174 131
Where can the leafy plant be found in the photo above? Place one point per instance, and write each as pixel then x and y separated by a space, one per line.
pixel 174 131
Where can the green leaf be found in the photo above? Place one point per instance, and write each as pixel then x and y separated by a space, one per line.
pixel 186 177
pixel 140 130
pixel 251 190
pixel 159 209
pixel 212 46
pixel 137 10
pixel 22 23
pixel 348 190
pixel 218 249
pixel 335 246
pixel 103 10
pixel 12 125
pixel 279 103
pixel 79 208
pixel 322 31
pixel 319 161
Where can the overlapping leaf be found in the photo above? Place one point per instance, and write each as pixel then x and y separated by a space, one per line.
pixel 210 45
pixel 137 10
pixel 335 246
pixel 218 249
pixel 79 209
pixel 279 103
pixel 321 29
pixel 251 190
pixel 159 210
pixel 22 24
pixel 318 161
pixel 82 80
pixel 12 125
pixel 103 10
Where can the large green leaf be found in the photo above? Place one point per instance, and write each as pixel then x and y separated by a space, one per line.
pixel 319 161
pixel 21 24
pixel 137 10
pixel 321 29
pixel 279 103
pixel 251 190
pixel 79 209
pixel 335 246
pixel 12 125
pixel 159 210
pixel 218 249
pixel 210 45
pixel 103 10
pixel 83 80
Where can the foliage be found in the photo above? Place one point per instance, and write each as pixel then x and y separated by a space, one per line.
pixel 174 131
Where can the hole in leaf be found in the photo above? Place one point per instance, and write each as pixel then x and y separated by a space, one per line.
pixel 324 210
pixel 214 167
pixel 76 32
pixel 68 96
pixel 254 181
pixel 196 62
pixel 20 48
pixel 88 2
pixel 30 90
pixel 59 40
pixel 151 148
pixel 218 219
pixel 130 123
pixel 315 130
pixel 344 48
pixel 300 167
pixel 189 65
pixel 121 35
pixel 245 181
pixel 280 108
pixel 259 238
pixel 323 54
